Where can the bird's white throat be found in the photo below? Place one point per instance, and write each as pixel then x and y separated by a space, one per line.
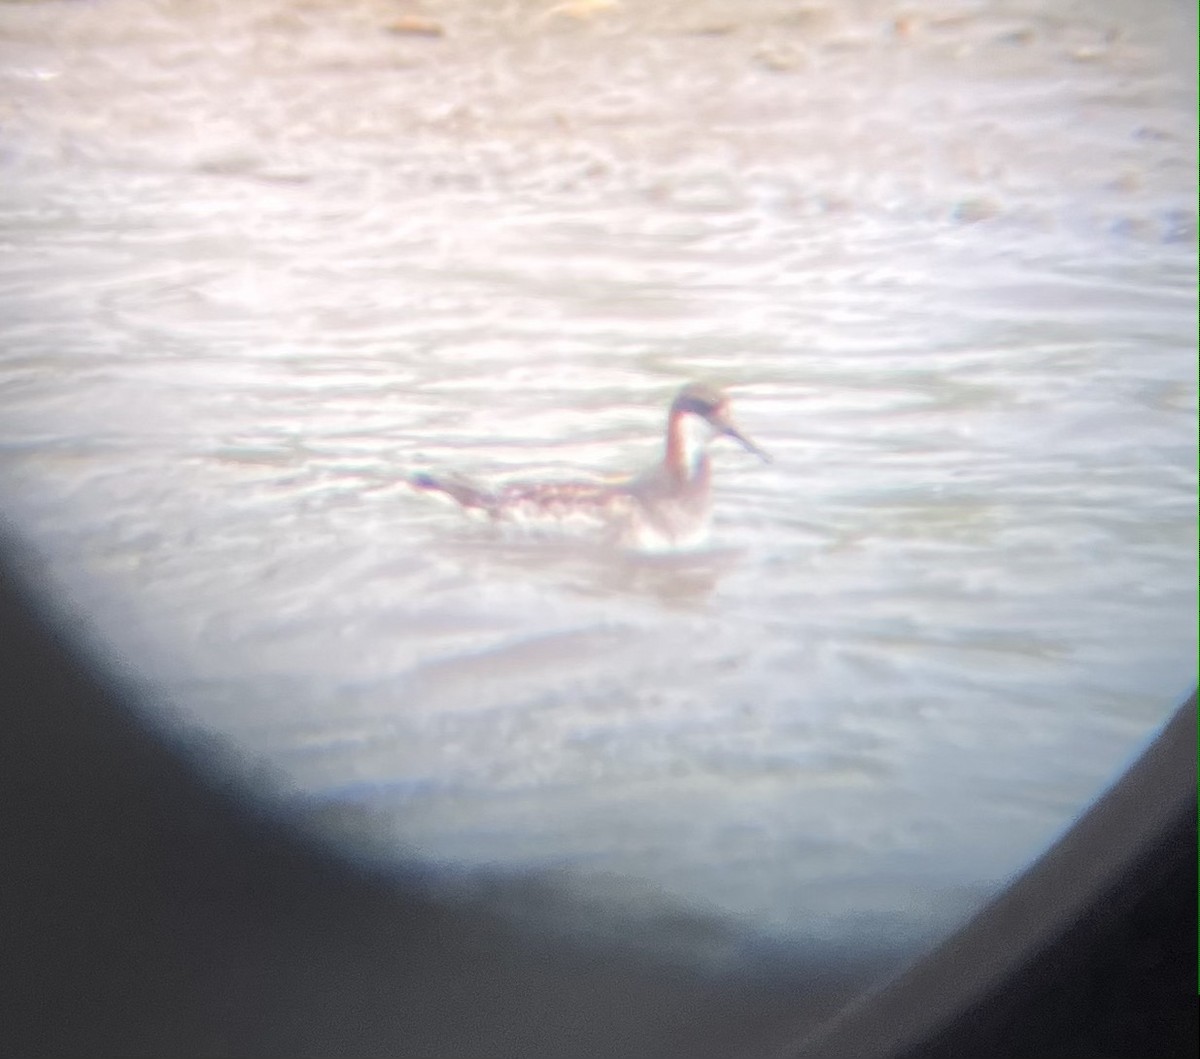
pixel 694 435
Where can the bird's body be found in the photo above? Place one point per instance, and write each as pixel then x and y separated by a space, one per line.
pixel 665 507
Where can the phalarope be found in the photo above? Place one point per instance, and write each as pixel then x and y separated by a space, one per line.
pixel 667 506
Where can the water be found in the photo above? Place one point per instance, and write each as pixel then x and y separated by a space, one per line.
pixel 265 258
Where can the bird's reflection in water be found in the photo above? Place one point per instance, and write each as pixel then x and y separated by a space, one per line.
pixel 682 580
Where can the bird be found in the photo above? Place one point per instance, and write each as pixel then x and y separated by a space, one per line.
pixel 667 507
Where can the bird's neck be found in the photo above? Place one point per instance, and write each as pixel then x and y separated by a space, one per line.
pixel 687 444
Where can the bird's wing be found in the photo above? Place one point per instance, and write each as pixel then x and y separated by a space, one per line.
pixel 553 498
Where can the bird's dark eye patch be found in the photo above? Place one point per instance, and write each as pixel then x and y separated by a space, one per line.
pixel 697 406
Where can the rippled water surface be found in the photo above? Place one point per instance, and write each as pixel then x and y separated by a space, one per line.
pixel 263 259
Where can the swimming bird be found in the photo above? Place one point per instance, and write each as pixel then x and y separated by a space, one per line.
pixel 666 507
